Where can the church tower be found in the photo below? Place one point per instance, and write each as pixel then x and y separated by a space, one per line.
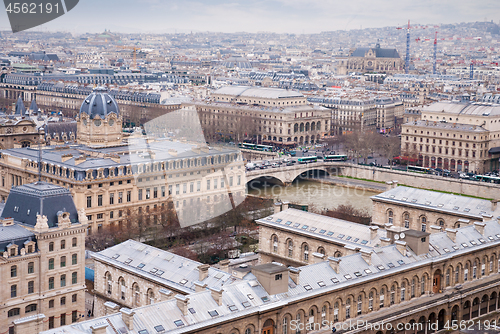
pixel 99 123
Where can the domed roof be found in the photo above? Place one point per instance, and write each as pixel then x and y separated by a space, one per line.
pixel 99 103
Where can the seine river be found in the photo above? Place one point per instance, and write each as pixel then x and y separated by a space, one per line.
pixel 317 194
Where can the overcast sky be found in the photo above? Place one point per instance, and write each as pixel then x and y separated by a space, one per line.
pixel 293 16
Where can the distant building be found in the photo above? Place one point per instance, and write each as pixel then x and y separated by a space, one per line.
pixel 363 60
pixel 455 135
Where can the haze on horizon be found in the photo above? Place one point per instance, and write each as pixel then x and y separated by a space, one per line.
pixel 280 16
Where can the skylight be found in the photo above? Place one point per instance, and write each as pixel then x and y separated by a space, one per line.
pixel 473 242
pixel 321 284
pixel 233 308
pixel 390 265
pixel 334 280
pixel 159 272
pixel 312 229
pixel 152 271
pixel 348 276
pixel 116 256
pixel 358 274
pixel 329 234
pixel 141 265
pixel 159 328
pixel 348 238
pixel 288 223
pixel 246 304
pixel 192 310
pixel 296 225
pixel 401 262
pixel 464 245
pixel 340 236
pixel 380 267
pixel 182 282
pixel 250 296
pixel 368 271
pixel 364 242
pixel 213 313
pixel 305 227
pixel 308 287
pixel 265 299
pixel 322 231
pixel 128 261
pixel 178 323
pixel 279 220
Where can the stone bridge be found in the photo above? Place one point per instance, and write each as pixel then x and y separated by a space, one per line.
pixel 285 175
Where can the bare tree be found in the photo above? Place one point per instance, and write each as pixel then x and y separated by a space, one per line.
pixel 390 147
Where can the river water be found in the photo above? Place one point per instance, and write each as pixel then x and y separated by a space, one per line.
pixel 317 194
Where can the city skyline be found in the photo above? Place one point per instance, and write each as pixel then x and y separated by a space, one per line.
pixel 295 16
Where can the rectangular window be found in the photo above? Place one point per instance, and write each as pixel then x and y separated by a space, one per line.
pixel 208 184
pixel 184 188
pixel 170 189
pixel 99 200
pixel 129 196
pixel 89 201
pixel 99 216
pixel 120 197
pixel 74 259
pixel 51 283
pixel 177 189
pixel 215 183
pixel 63 319
pixel 230 181
pixel 31 268
pixel 51 264
pixel 74 278
pixel 13 291
pixel 74 316
pixel 140 195
pixel 163 191
pixel 111 215
pixel 198 186
pixel 111 199
pixel 73 298
pixel 155 192
pixel 191 187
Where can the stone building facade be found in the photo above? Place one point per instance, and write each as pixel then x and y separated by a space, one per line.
pixel 42 267
pixel 413 278
pixel 376 59
pixel 428 211
pixel 114 180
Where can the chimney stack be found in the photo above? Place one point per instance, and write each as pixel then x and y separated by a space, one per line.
pixel 388 185
pixel 452 234
pixel 199 286
pixel 479 227
pixel 203 272
pixel 165 294
pixel 401 247
pixel 284 205
pixel 334 263
pixel 182 303
pixel 318 257
pixel 294 274
pixel 224 265
pixel 128 317
pixel 217 295
pixel 373 232
pixel 367 256
pixel 277 207
pixel 385 241
pixel 99 328
pixel 435 229
pixel 494 203
pixel 487 217
pixel 110 308
pixel 394 183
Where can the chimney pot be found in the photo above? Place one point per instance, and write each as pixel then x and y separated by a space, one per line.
pixel 452 234
pixel 203 271
pixel 401 247
pixel 385 241
pixel 367 256
pixel 479 227
pixel 294 274
pixel 373 232
pixel 318 257
pixel 494 203
pixel 224 265
pixel 217 295
pixel 277 207
pixel 334 263
pixel 182 303
pixel 128 317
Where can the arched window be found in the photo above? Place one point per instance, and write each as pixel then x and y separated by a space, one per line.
pixel 298 323
pixel 151 296
pixel 466 272
pixel 393 294
pixel 74 278
pixel 137 294
pixel 360 304
pixel 422 286
pixel 275 243
pixel 109 283
pixel 13 312
pixel 382 297
pixel 403 291
pixel 51 247
pixel 483 268
pixel 406 218
pixel 63 261
pixel 370 301
pixel 321 250
pixel 413 284
pixel 285 327
pixel 290 248
pixel 336 312
pixel 348 308
pixel 121 283
pixel 63 244
pixel 390 216
pixel 13 291
pixel 447 279
pixel 306 252
pixel 73 242
pixel 457 275
pixel 323 314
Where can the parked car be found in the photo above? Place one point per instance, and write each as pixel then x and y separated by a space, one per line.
pixel 275 165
